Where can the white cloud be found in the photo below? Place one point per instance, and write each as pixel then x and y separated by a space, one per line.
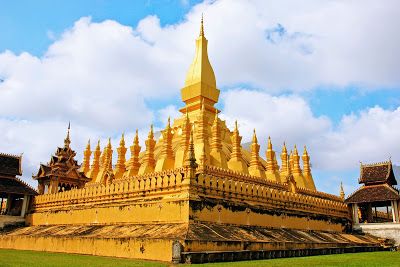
pixel 324 42
pixel 370 135
pixel 169 111
pixel 283 118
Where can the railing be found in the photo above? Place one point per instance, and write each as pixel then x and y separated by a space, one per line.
pixel 214 182
pixel 120 190
pixel 209 181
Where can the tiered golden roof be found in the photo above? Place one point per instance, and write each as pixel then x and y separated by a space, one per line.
pixel 214 144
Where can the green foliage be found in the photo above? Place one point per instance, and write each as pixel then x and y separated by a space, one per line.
pixel 44 259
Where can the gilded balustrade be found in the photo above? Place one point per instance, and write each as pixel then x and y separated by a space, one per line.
pixel 209 182
pixel 121 190
pixel 231 185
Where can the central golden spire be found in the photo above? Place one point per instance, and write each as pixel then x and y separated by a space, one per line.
pixel 201 27
pixel 200 83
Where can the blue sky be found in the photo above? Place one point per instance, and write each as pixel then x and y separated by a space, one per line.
pixel 336 102
pixel 328 82
pixel 27 25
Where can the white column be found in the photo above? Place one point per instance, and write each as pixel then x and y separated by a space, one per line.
pixel 8 205
pixel 395 211
pixel 355 214
pixel 24 205
pixel 398 212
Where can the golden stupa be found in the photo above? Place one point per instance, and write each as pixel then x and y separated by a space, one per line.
pixel 193 195
pixel 214 144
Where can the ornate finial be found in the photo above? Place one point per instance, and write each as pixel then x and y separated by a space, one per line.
pixel 98 144
pixel 305 153
pixel 120 167
pixel 136 139
pixel 148 160
pixel 269 143
pixel 133 165
pixel 122 142
pixel 169 121
pixel 201 26
pixel 67 140
pixel 109 142
pixel 255 141
pixel 295 150
pixel 255 167
pixel 191 156
pixel 151 133
pixel 236 125
pixel 291 159
pixel 284 159
pixel 342 195
pixel 284 149
pixel 85 167
pixel 216 115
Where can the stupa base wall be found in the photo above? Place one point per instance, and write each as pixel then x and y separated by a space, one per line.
pixel 184 242
pixel 148 249
pixel 146 210
pixel 255 213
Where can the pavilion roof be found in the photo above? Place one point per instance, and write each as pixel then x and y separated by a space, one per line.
pixel 15 186
pixel 10 165
pixel 373 193
pixel 377 173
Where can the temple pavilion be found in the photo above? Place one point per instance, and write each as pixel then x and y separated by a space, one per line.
pixel 377 191
pixel 375 205
pixel 15 195
pixel 62 172
pixel 192 195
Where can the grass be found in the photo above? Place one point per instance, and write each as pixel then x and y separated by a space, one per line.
pixel 34 258
pixel 25 258
pixel 381 259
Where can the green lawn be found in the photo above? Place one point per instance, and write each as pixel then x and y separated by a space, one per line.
pixel 32 259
